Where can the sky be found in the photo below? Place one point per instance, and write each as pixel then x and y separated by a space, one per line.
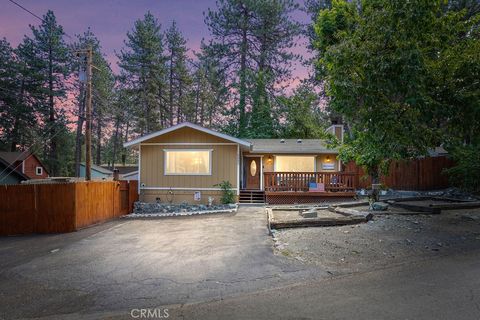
pixel 111 19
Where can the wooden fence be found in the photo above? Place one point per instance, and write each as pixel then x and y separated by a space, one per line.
pixel 63 207
pixel 416 174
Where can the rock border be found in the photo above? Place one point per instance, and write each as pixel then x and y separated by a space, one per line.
pixel 348 217
pixel 179 214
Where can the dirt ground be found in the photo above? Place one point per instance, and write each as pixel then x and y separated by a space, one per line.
pixel 292 215
pixel 386 240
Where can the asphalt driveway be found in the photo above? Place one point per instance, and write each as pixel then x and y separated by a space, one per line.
pixel 129 264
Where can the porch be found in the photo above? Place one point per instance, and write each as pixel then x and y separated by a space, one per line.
pixel 308 187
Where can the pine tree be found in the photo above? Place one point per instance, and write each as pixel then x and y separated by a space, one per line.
pixel 143 72
pixel 254 40
pixel 178 75
pixel 49 60
pixel 17 118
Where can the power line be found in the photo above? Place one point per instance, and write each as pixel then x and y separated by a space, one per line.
pixel 33 14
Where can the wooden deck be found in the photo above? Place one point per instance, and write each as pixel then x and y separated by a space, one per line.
pixel 299 181
pixel 293 187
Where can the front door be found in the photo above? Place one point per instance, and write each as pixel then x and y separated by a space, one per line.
pixel 253 173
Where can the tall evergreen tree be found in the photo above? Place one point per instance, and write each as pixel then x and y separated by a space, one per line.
pixel 50 61
pixel 143 71
pixel 254 39
pixel 178 74
pixel 17 114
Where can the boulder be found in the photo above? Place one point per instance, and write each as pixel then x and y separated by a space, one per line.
pixel 309 214
pixel 379 206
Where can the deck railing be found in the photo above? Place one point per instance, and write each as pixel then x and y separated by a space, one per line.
pixel 299 181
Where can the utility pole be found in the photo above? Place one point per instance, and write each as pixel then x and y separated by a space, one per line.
pixel 88 114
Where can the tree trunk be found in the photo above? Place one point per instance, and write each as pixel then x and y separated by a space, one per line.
pixel 375 178
pixel 115 139
pixel 179 108
pixel 98 156
pixel 243 74
pixel 51 117
pixel 78 137
pixel 171 108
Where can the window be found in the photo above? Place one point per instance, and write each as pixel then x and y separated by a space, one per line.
pixel 38 171
pixel 295 164
pixel 188 162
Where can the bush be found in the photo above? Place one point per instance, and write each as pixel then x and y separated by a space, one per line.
pixel 466 172
pixel 228 195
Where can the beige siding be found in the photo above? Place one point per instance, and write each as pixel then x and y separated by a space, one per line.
pixel 179 196
pixel 224 167
pixel 187 135
pixel 269 159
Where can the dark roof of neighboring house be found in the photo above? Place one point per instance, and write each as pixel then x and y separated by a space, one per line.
pixel 10 170
pixel 12 157
pixel 98 169
pixel 306 146
pixel 123 169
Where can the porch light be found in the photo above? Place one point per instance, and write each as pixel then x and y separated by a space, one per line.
pixel 327 159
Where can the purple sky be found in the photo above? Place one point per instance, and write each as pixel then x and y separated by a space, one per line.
pixel 110 20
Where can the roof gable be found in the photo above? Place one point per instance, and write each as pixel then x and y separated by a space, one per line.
pixel 187 125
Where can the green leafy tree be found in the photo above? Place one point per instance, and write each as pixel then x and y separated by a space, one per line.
pixel 304 116
pixel 374 65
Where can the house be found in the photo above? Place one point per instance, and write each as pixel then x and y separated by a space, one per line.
pixel 10 176
pixel 186 162
pixel 129 176
pixel 26 163
pixel 97 172
pixel 126 172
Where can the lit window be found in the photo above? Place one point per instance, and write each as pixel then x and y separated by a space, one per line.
pixel 294 164
pixel 38 171
pixel 188 162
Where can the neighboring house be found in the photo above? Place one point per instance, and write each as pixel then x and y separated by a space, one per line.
pixel 26 163
pixel 126 172
pixel 8 175
pixel 129 176
pixel 97 172
pixel 186 162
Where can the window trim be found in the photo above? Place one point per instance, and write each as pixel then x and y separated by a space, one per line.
pixel 36 171
pixel 210 160
pixel 304 156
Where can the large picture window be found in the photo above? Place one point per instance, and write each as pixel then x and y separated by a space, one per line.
pixel 295 164
pixel 188 162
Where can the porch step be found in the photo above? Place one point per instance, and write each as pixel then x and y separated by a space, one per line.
pixel 252 196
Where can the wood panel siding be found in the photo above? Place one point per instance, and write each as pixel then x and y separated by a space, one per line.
pixel 187 135
pixel 224 167
pixel 179 196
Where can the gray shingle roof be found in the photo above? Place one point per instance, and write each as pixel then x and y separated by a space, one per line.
pixel 306 146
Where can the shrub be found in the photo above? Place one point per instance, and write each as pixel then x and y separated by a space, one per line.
pixel 228 195
pixel 466 172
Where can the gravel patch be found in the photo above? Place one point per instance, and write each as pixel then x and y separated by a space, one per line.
pixel 385 240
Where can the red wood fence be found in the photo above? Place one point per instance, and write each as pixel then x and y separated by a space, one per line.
pixel 416 174
pixel 63 207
